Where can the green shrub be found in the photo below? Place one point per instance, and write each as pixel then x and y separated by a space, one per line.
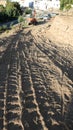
pixel 4 27
pixel 13 9
pixel 11 25
pixel 28 11
pixel 68 7
pixel 66 4
pixel 1 28
pixel 20 19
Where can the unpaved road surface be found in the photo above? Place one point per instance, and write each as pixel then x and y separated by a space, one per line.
pixel 36 83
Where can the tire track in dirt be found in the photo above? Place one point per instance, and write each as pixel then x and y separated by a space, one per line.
pixel 61 102
pixel 28 94
pixel 4 66
pixel 31 117
pixel 44 95
pixel 11 109
pixel 61 56
pixel 14 107
pixel 40 88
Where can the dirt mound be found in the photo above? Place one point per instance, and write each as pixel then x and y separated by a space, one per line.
pixel 61 30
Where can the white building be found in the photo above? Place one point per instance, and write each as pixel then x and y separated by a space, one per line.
pixel 40 4
pixel 28 3
pixel 53 4
pixel 25 3
pixel 21 2
pixel 46 4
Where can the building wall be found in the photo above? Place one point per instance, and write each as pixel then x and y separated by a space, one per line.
pixel 24 3
pixel 40 4
pixel 55 3
pixel 27 3
pixel 46 4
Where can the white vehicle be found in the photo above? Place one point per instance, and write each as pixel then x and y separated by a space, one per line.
pixel 46 17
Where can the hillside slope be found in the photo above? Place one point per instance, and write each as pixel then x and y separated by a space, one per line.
pixel 61 30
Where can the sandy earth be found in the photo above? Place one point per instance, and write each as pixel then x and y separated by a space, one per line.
pixel 36 80
pixel 61 31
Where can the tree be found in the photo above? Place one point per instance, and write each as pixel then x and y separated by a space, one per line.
pixel 64 3
pixel 68 6
pixel 61 4
pixel 2 8
pixel 3 15
pixel 13 10
pixel 10 12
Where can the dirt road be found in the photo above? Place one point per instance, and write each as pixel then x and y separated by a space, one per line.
pixel 36 83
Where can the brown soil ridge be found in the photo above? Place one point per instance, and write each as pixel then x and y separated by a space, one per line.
pixel 61 30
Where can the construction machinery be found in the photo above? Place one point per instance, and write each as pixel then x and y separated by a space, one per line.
pixel 32 19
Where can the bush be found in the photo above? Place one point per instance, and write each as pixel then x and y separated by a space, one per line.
pixel 20 19
pixel 11 25
pixel 10 12
pixel 3 15
pixel 28 11
pixel 64 3
pixel 4 27
pixel 68 7
pixel 1 28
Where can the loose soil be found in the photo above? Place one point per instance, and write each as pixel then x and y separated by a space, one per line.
pixel 36 80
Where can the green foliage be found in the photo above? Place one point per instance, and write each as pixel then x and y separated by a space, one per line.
pixel 3 28
pixel 13 9
pixel 20 19
pixel 11 25
pixel 10 12
pixel 3 15
pixel 2 9
pixel 64 3
pixel 68 6
pixel 28 11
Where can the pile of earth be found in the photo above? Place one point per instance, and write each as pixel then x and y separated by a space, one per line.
pixel 61 30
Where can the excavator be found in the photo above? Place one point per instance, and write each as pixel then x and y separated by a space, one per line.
pixel 32 19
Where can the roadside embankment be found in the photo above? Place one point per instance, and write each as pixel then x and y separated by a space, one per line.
pixel 61 30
